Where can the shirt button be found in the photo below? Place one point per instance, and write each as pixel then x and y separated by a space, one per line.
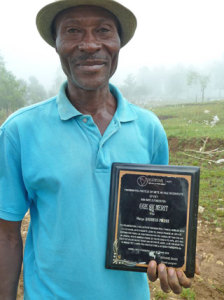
pixel 84 120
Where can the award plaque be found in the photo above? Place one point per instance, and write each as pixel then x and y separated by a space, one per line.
pixel 152 216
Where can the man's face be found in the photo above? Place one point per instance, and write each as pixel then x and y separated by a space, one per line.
pixel 88 44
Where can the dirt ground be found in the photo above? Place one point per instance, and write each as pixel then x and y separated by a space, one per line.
pixel 208 285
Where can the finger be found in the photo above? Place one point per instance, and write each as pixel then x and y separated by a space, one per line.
pixel 152 270
pixel 162 274
pixel 183 279
pixel 173 281
pixel 197 265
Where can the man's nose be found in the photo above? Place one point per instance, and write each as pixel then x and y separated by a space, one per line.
pixel 90 47
pixel 89 44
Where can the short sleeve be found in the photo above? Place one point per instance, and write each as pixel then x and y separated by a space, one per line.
pixel 161 153
pixel 13 195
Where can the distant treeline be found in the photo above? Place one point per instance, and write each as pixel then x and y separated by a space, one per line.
pixel 177 84
pixel 16 93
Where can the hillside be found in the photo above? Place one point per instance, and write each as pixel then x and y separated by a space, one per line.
pixel 195 134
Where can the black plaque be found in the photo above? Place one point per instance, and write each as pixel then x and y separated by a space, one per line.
pixel 152 215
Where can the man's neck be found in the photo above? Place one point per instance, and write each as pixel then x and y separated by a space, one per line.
pixel 100 104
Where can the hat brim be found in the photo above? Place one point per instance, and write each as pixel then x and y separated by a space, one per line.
pixel 47 14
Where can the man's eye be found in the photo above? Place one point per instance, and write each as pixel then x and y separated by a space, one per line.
pixel 103 29
pixel 73 30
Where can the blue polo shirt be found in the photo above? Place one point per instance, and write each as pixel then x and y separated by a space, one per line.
pixel 55 162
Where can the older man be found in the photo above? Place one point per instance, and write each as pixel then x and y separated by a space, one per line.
pixel 56 158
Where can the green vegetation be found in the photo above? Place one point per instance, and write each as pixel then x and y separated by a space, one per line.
pixel 188 294
pixel 194 141
pixel 159 295
pixel 16 93
pixel 3 116
pixel 192 120
pixel 12 91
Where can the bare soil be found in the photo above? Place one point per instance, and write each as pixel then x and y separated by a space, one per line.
pixel 176 143
pixel 210 249
pixel 210 283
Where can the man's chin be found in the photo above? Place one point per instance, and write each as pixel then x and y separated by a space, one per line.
pixel 89 85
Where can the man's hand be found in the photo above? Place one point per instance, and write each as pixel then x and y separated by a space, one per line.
pixel 170 279
pixel 11 251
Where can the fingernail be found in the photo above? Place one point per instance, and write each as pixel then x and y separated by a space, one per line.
pixel 179 273
pixel 171 271
pixel 152 263
pixel 162 268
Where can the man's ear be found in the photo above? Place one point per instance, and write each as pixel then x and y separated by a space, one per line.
pixel 55 42
pixel 54 34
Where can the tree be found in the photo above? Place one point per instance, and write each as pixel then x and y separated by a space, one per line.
pixel 175 83
pixel 59 79
pixel 192 81
pixel 217 79
pixel 152 82
pixel 129 86
pixel 12 91
pixel 203 80
pixel 199 81
pixel 35 91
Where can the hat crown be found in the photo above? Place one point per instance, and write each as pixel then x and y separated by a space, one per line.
pixel 47 14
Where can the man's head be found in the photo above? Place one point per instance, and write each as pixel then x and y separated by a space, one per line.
pixel 88 44
pixel 87 38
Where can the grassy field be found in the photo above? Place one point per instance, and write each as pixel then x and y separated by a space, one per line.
pixel 195 140
pixel 193 120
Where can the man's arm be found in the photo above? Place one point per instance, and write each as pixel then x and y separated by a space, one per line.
pixel 11 254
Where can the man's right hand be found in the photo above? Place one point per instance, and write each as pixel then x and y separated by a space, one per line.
pixel 11 253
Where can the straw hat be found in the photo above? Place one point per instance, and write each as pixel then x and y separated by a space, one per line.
pixel 46 15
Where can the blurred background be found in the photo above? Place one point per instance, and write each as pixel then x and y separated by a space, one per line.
pixel 176 55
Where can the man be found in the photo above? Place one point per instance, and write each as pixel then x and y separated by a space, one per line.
pixel 56 158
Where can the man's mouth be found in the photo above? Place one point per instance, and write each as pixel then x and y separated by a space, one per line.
pixel 91 65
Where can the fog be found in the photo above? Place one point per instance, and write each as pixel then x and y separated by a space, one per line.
pixel 177 52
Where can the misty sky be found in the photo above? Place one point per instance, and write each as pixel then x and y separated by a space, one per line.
pixel 170 32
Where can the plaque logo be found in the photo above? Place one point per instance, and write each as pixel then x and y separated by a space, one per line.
pixel 142 180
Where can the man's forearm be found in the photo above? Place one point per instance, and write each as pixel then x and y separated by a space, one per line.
pixel 11 253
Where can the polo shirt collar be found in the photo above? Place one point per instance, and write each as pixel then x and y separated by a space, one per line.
pixel 66 110
pixel 124 112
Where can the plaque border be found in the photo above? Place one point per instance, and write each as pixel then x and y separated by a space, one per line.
pixel 191 174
